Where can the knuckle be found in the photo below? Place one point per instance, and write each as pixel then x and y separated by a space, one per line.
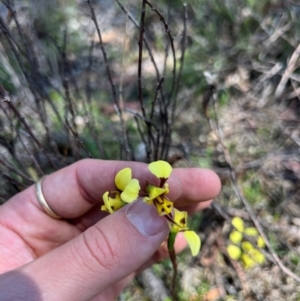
pixel 100 248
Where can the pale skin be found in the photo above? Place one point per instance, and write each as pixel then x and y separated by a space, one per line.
pixel 88 254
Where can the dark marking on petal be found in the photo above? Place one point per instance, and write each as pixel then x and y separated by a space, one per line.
pixel 113 194
pixel 183 221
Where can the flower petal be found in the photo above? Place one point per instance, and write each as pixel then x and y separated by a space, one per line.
pixel 122 178
pixel 238 223
pixel 257 256
pixel 148 200
pixel 180 218
pixel 234 252
pixel 260 242
pixel 179 221
pixel 131 191
pixel 247 246
pixel 112 204
pixel 247 261
pixel 236 237
pixel 163 206
pixel 154 192
pixel 193 240
pixel 251 231
pixel 161 169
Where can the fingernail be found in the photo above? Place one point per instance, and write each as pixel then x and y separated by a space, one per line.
pixel 145 218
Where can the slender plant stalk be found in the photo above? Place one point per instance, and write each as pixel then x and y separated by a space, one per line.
pixel 172 254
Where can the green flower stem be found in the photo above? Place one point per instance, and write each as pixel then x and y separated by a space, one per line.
pixel 172 254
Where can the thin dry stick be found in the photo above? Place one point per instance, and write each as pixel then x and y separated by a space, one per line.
pixel 17 50
pixel 140 87
pixel 146 120
pixel 140 62
pixel 10 37
pixel 178 80
pixel 148 47
pixel 29 131
pixel 163 109
pixel 171 39
pixel 33 61
pixel 12 169
pixel 121 102
pixel 65 79
pixel 8 140
pixel 69 107
pixel 36 164
pixel 159 79
pixel 165 119
pixel 292 65
pixel 29 53
pixel 240 195
pixel 183 49
pixel 114 93
pixel 75 134
pixel 17 184
pixel 88 103
pixel 136 119
pixel 155 142
pixel 296 92
pixel 158 132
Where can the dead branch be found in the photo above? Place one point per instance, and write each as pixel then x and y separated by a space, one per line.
pixel 292 65
pixel 109 75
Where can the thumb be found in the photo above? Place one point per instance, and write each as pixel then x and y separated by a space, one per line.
pixel 101 256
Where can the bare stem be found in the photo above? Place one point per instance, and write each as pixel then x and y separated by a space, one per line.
pixel 113 89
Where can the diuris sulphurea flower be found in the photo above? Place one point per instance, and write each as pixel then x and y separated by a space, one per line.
pixel 243 250
pixel 158 195
pixel 128 190
pixel 179 225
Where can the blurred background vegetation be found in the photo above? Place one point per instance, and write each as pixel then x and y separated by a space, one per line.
pixel 231 103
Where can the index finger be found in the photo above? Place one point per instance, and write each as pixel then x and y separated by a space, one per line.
pixel 74 190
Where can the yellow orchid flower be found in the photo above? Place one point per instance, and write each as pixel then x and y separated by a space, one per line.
pixel 247 261
pixel 179 224
pixel 112 203
pixel 248 254
pixel 193 240
pixel 252 258
pixel 157 195
pixel 236 237
pixel 130 187
pixel 260 242
pixel 247 246
pixel 161 169
pixel 234 252
pixel 251 231
pixel 128 191
pixel 257 256
pixel 238 223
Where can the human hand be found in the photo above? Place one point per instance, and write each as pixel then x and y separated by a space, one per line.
pixel 88 255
